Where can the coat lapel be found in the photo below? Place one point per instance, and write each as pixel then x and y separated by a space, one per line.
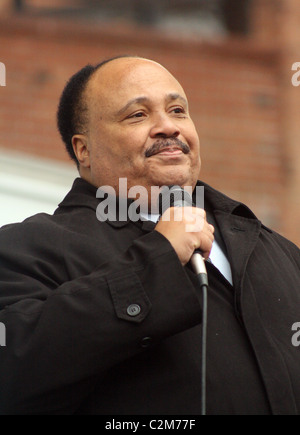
pixel 240 236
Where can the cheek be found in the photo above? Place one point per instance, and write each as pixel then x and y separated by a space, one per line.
pixel 117 161
pixel 195 139
pixel 196 147
pixel 194 144
pixel 189 132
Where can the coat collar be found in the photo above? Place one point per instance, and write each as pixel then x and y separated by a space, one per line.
pixel 238 225
pixel 217 201
pixel 83 194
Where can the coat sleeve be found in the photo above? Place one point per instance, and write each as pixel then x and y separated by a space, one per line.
pixel 61 337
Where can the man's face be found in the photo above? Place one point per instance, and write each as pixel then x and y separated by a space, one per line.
pixel 139 127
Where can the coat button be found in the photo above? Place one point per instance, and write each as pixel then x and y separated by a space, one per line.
pixel 133 310
pixel 146 342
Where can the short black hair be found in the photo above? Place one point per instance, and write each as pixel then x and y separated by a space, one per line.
pixel 72 109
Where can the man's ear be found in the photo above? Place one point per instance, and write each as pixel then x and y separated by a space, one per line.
pixel 81 150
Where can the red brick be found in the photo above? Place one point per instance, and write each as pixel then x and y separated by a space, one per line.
pixel 241 98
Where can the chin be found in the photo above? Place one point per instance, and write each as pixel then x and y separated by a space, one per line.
pixel 175 178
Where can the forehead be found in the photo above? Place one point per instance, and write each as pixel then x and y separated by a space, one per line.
pixel 126 78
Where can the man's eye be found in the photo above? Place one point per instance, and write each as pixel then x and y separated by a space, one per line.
pixel 137 115
pixel 178 110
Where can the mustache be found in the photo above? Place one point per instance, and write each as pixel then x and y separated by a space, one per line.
pixel 161 144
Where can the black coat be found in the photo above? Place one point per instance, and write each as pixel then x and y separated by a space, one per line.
pixel 69 285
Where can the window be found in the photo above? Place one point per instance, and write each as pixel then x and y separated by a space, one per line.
pixel 221 16
pixel 29 185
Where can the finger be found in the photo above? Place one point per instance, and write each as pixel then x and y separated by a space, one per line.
pixel 205 243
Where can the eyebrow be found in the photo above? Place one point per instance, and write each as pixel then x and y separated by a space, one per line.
pixel 141 100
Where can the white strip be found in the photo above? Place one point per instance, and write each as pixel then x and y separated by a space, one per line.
pixel 220 261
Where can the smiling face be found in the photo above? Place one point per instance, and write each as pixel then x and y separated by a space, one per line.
pixel 139 128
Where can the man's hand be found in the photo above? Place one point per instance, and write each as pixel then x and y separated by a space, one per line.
pixel 187 229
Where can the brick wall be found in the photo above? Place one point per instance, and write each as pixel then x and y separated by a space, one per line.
pixel 239 90
pixel 277 23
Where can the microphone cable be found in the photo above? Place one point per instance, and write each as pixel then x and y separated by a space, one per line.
pixel 176 196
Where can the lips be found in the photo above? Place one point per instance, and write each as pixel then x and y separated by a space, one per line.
pixel 168 147
pixel 169 150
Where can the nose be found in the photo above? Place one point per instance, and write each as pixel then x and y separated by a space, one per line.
pixel 164 126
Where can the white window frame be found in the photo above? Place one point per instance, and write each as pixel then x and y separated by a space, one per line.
pixel 30 185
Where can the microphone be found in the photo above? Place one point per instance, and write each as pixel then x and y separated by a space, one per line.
pixel 176 196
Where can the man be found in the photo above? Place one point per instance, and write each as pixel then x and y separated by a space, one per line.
pixel 104 317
